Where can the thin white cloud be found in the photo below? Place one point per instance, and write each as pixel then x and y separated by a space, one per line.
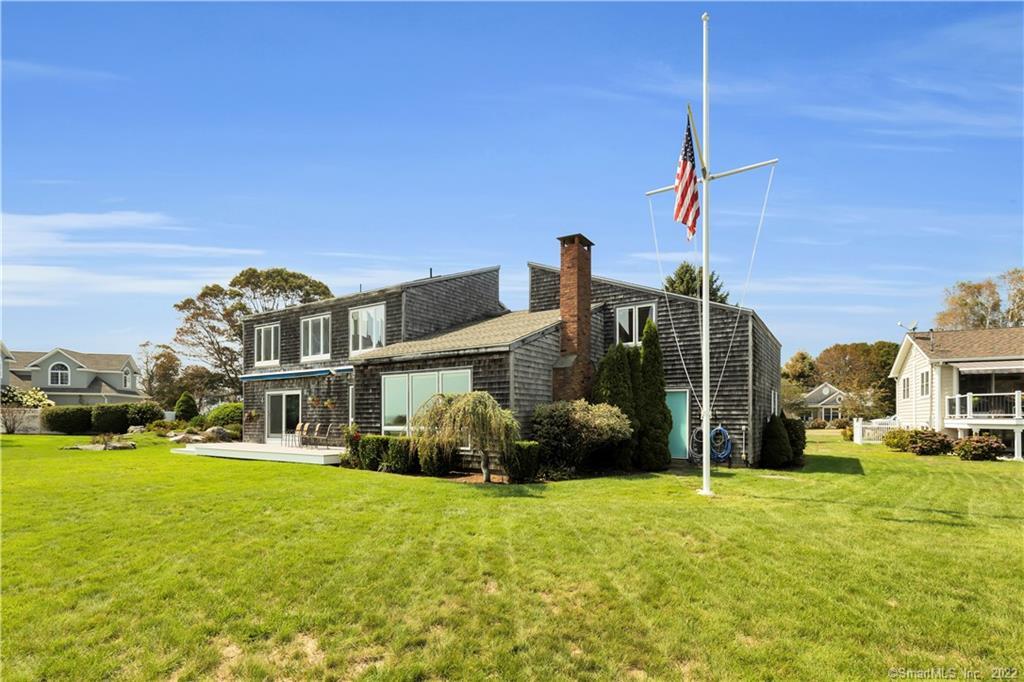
pixel 675 256
pixel 17 68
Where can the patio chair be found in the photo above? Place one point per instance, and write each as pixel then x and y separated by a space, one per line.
pixel 294 439
pixel 335 435
pixel 315 435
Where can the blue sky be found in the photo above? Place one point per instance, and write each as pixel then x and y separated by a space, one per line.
pixel 149 149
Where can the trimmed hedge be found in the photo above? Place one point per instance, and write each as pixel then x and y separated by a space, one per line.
pixel 144 412
pixel 817 424
pixel 979 448
pixel 110 418
pixel 927 442
pixel 436 459
pixel 225 414
pixel 372 449
pixel 399 457
pixel 578 434
pixel 776 452
pixel 797 433
pixel 522 462
pixel 70 419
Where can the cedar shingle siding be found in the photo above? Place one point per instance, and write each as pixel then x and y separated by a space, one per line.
pixel 745 392
pixel 514 355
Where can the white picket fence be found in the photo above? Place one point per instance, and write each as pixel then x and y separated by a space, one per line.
pixel 870 433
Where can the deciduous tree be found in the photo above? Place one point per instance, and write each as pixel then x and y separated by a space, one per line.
pixel 802 370
pixel 972 305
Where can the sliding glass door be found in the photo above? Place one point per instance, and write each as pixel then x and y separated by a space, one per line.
pixel 284 410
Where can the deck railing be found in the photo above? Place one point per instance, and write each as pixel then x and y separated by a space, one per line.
pixel 984 406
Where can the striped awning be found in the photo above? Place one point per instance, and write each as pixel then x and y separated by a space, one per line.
pixel 990 366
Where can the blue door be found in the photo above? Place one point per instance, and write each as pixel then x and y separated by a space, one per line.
pixel 679 405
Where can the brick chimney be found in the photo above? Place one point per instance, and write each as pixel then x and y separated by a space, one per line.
pixel 573 371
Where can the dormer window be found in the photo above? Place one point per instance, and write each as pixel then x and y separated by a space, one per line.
pixel 126 377
pixel 366 328
pixel 630 321
pixel 60 374
pixel 316 338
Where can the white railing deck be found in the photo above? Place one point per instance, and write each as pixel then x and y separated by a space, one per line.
pixel 984 406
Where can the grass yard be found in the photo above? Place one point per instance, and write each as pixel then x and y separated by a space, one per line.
pixel 148 565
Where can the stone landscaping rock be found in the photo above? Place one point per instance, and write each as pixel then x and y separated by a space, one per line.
pixel 112 445
pixel 136 429
pixel 216 434
pixel 185 438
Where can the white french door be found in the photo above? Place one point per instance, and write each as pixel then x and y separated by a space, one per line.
pixel 284 411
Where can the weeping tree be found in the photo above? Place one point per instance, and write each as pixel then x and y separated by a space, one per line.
pixel 446 421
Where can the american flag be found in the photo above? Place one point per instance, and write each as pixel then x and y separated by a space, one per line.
pixel 687 204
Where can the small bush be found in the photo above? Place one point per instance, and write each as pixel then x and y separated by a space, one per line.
pixel 817 424
pixel 110 418
pixel 979 448
pixel 224 414
pixel 573 434
pixel 557 432
pixel 144 412
pixel 522 462
pixel 162 426
pixel 840 423
pixel 197 422
pixel 897 439
pixel 185 409
pixel 847 433
pixel 776 452
pixel 399 457
pixel 372 449
pixel 436 458
pixel 24 397
pixel 234 430
pixel 797 433
pixel 927 442
pixel 70 419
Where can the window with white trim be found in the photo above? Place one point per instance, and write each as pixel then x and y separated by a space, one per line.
pixel 316 338
pixel 630 321
pixel 60 374
pixel 926 381
pixel 366 328
pixel 268 345
pixel 906 388
pixel 775 401
pixel 126 379
pixel 402 395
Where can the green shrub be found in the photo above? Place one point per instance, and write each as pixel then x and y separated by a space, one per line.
pixel 435 457
pixel 234 430
pixel 70 419
pixel 185 409
pixel 817 424
pixel 979 448
pixel 897 439
pixel 655 419
pixel 110 418
pixel 558 434
pixel 840 423
pixel 928 442
pixel 144 412
pixel 224 414
pixel 24 397
pixel 162 426
pixel 198 422
pixel 372 449
pixel 522 462
pixel 607 436
pixel 797 433
pixel 776 452
pixel 614 386
pixel 575 434
pixel 399 457
pixel 847 433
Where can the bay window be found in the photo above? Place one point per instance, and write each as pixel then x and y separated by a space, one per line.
pixel 404 394
pixel 366 328
pixel 316 338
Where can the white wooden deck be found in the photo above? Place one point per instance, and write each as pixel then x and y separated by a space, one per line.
pixel 260 451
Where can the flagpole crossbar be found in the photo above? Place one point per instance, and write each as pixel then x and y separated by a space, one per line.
pixel 716 176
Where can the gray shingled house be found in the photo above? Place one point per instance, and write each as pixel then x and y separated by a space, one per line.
pixel 70 377
pixel 374 357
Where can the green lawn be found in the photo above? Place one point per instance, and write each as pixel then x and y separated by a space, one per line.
pixel 144 564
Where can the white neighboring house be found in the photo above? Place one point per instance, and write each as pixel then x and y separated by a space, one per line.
pixel 825 401
pixel 70 377
pixel 962 382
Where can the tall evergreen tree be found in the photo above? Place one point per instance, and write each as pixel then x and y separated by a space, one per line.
pixel 652 411
pixel 615 386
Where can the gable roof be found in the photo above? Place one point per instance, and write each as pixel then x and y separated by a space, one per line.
pixel 822 394
pixel 963 344
pixel 497 333
pixel 99 362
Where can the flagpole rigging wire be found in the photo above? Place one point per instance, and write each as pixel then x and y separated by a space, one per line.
pixel 746 285
pixel 668 304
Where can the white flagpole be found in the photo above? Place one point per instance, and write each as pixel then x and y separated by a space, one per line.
pixel 705 304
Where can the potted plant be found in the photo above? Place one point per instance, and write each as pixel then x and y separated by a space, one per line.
pixel 253 416
pixel 315 401
pixel 330 404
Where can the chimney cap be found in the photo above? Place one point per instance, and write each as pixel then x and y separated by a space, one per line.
pixel 578 237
